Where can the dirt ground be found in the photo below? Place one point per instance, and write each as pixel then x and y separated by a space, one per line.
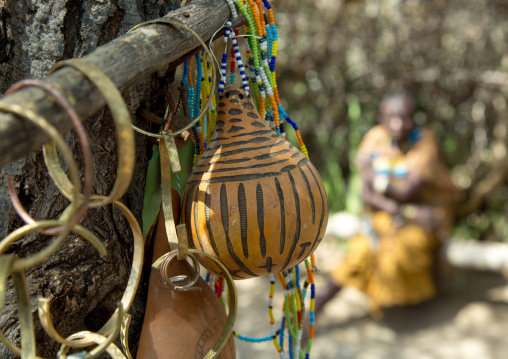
pixel 469 320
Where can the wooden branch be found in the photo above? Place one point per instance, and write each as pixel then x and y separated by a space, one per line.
pixel 126 60
pixel 480 191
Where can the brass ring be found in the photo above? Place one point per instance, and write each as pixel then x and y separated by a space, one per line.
pixel 58 140
pixel 214 80
pixel 105 344
pixel 51 158
pixel 5 264
pixel 136 268
pixel 121 117
pixel 128 295
pixel 181 283
pixel 25 263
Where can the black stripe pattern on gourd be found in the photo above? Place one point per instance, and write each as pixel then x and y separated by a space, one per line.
pixel 253 200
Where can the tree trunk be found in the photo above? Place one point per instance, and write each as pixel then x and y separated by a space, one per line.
pixel 83 288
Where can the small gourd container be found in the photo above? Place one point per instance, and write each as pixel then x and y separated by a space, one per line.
pixel 253 200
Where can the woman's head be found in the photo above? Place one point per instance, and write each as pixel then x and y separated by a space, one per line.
pixel 396 113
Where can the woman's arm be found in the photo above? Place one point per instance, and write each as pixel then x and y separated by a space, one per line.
pixel 409 191
pixel 372 198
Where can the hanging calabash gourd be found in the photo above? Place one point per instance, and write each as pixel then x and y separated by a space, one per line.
pixel 253 200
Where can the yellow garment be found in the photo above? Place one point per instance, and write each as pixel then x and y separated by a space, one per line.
pixel 398 272
pixel 397 268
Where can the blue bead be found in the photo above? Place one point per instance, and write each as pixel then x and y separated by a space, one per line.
pixel 274 32
pixel 254 340
pixel 281 337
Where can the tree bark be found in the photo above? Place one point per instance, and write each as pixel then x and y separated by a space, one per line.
pixel 83 287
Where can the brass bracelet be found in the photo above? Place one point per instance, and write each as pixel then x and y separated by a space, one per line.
pixel 57 138
pixel 71 188
pixel 121 117
pixel 52 162
pixel 214 80
pixel 105 344
pixel 114 323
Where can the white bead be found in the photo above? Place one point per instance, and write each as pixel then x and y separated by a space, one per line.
pixel 232 8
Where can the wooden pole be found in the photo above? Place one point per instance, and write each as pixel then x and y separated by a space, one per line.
pixel 126 60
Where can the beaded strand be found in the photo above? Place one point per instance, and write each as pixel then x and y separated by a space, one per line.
pixel 232 8
pixel 312 307
pixel 204 96
pixel 250 62
pixel 270 45
pixel 274 331
pixel 251 13
pixel 189 90
pixel 223 66
pixel 196 145
pixel 185 75
pixel 232 63
pixel 300 310
pixel 212 115
pixel 293 310
pixel 272 318
pixel 273 31
pixel 303 148
pixel 197 88
pixel 281 336
pixel 251 339
pixel 196 93
pixel 241 68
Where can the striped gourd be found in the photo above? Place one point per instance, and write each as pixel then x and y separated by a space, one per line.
pixel 253 200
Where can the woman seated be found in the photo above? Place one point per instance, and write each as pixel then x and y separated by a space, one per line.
pixel 408 209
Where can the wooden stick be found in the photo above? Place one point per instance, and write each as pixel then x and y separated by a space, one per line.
pixel 126 60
